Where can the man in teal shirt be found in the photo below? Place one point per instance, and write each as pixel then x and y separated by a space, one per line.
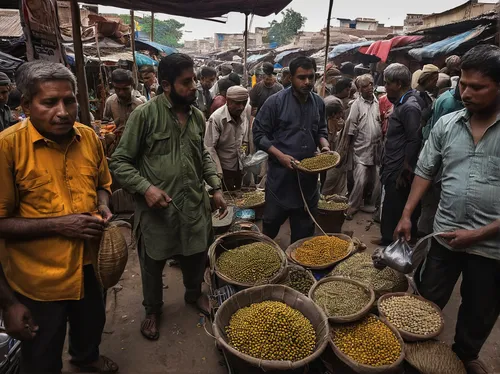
pixel 161 158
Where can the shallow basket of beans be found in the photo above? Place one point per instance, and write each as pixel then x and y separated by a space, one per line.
pixel 247 259
pixel 299 279
pixel 319 163
pixel 414 317
pixel 368 346
pixel 320 252
pixel 272 327
pixel 343 300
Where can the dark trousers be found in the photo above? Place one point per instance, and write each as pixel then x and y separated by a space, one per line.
pixel 86 319
pixel 192 268
pixel 301 224
pixel 480 292
pixel 232 180
pixel 392 210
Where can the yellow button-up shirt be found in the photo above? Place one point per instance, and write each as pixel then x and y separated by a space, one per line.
pixel 40 179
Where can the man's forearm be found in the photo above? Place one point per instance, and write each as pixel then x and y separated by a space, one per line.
pixel 28 228
pixel 274 151
pixel 418 188
pixel 7 297
pixel 489 231
pixel 323 143
pixel 103 198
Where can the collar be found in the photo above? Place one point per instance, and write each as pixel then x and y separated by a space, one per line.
pixel 35 136
pixel 373 100
pixel 405 96
pixel 228 117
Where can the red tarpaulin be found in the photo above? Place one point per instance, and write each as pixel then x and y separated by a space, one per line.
pixel 382 48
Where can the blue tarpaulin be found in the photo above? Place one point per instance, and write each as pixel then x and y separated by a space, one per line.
pixel 343 48
pixel 144 44
pixel 142 59
pixel 282 55
pixel 445 46
pixel 256 58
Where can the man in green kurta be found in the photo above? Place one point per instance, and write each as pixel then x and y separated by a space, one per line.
pixel 161 158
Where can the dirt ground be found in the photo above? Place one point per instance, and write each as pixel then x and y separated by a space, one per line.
pixel 184 347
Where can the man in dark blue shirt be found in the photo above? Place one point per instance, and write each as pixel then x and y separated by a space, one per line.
pixel 291 126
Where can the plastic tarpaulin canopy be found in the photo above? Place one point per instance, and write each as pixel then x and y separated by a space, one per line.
pixel 142 59
pixel 381 48
pixel 343 48
pixel 256 58
pixel 143 44
pixel 445 46
pixel 282 55
pixel 9 64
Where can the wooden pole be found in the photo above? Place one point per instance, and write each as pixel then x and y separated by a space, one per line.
pixel 327 47
pixel 83 97
pixel 152 26
pixel 132 42
pixel 245 53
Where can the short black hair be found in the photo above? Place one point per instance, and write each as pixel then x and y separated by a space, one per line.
pixel 268 68
pixel 147 69
pixel 173 65
pixel 347 68
pixel 342 84
pixel 207 72
pixel 484 58
pixel 302 62
pixel 122 76
pixel 224 84
pixel 285 72
pixel 233 77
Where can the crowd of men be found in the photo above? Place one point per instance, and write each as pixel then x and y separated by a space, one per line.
pixel 420 152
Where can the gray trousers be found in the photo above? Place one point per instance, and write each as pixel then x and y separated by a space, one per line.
pixel 363 175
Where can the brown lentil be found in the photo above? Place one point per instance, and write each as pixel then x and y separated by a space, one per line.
pixel 433 357
pixel 299 280
pixel 250 263
pixel 338 298
pixel 321 250
pixel 360 267
pixel 332 205
pixel 368 342
pixel 411 314
pixel 250 199
pixel 322 161
pixel 271 330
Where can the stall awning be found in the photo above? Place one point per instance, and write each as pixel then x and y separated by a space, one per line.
pixel 282 55
pixel 146 44
pixel 445 46
pixel 381 48
pixel 343 48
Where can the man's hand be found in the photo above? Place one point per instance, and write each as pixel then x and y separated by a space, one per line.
pixel 403 229
pixel 80 226
pixel 286 161
pixel 18 322
pixel 220 203
pixel 156 198
pixel 404 179
pixel 461 238
pixel 105 212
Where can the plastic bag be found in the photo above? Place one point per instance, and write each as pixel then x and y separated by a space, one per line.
pixel 253 162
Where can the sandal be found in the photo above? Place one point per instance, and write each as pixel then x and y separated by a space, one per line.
pixel 104 365
pixel 149 327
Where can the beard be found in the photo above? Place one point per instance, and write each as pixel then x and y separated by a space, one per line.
pixel 181 100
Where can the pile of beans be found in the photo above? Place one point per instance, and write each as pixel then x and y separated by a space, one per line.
pixel 321 250
pixel 271 330
pixel 322 161
pixel 250 263
pixel 433 357
pixel 360 267
pixel 369 342
pixel 332 205
pixel 299 280
pixel 411 314
pixel 338 298
pixel 250 199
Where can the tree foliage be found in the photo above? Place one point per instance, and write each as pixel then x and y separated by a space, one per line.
pixel 284 31
pixel 168 32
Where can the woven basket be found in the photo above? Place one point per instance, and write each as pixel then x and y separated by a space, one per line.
pixel 286 295
pixel 110 260
pixel 352 317
pixel 236 239
pixel 307 171
pixel 408 336
pixel 296 267
pixel 365 369
pixel 292 249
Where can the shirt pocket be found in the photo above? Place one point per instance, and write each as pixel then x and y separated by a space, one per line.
pixel 88 188
pixel 159 143
pixel 493 170
pixel 39 194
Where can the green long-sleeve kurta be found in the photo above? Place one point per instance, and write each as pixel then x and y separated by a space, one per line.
pixel 156 149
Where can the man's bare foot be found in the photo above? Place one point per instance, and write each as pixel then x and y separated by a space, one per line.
pixel 149 327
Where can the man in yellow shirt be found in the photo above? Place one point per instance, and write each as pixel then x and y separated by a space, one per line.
pixel 55 189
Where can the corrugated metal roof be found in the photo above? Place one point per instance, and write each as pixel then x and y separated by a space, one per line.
pixel 10 24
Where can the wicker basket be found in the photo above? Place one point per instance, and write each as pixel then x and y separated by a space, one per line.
pixel 365 369
pixel 286 278
pixel 292 249
pixel 307 171
pixel 352 317
pixel 111 258
pixel 286 295
pixel 237 239
pixel 408 336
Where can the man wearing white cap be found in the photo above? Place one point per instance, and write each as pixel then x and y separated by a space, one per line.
pixel 226 137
